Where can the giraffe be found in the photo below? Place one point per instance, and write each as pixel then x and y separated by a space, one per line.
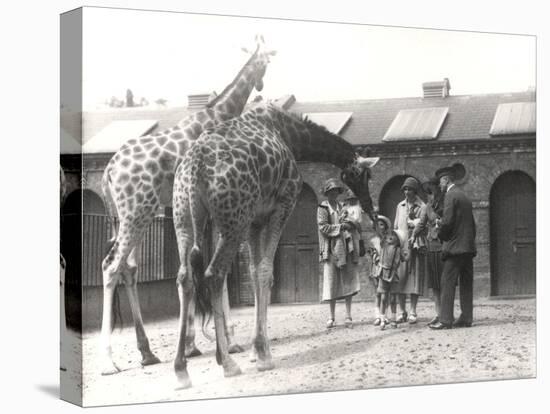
pixel 243 175
pixel 132 184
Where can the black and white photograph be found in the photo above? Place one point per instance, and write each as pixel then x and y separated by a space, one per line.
pixel 301 207
pixel 278 207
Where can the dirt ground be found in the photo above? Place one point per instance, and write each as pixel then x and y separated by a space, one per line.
pixel 309 358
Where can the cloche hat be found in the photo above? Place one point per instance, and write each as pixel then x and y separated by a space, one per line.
pixel 332 183
pixel 411 182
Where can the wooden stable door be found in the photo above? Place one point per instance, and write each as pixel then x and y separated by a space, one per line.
pixel 513 231
pixel 296 272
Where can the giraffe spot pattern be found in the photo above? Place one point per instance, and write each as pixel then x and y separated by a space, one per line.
pixel 196 128
pixel 129 190
pixel 155 152
pixel 136 169
pixel 148 146
pixel 124 178
pixel 171 146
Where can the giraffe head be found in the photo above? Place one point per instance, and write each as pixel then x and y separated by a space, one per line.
pixel 258 62
pixel 356 176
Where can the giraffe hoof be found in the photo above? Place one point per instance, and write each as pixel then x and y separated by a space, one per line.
pixel 235 349
pixel 264 365
pixel 110 369
pixel 231 370
pixel 150 360
pixel 184 381
pixel 193 352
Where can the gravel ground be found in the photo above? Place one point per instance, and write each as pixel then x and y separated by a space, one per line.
pixel 309 358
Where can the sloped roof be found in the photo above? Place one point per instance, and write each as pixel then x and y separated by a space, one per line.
pixel 469 118
pixel 116 133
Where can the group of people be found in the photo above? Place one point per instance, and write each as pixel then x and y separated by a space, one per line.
pixel 429 246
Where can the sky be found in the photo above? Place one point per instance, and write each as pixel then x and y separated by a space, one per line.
pixel 171 55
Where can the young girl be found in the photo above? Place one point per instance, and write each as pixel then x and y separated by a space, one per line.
pixel 391 255
pixel 386 255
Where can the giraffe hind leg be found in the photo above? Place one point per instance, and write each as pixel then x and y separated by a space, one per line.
pixel 216 275
pixel 130 282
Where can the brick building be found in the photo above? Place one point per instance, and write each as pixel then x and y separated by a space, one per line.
pixel 493 136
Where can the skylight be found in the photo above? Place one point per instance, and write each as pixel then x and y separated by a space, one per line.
pixel 514 118
pixel 333 121
pixel 416 124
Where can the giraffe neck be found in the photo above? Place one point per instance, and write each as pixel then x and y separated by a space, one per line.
pixel 234 97
pixel 307 140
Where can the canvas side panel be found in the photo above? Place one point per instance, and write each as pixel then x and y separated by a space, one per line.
pixel 71 206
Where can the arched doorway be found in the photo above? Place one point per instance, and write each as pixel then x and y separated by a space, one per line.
pixel 513 232
pixel 391 195
pixel 296 272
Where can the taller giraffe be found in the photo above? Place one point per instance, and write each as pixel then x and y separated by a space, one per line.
pixel 243 175
pixel 132 185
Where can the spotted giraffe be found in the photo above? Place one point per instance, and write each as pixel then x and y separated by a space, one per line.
pixel 132 185
pixel 243 175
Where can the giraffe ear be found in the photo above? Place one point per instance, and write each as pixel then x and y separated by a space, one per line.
pixel 368 161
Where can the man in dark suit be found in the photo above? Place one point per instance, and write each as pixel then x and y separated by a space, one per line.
pixel 457 231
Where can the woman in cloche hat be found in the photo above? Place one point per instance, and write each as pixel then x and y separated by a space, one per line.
pixel 340 271
pixel 412 273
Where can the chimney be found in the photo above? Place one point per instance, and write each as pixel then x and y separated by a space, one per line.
pixel 285 101
pixel 198 101
pixel 437 89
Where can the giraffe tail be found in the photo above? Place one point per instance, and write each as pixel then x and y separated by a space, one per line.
pixel 202 289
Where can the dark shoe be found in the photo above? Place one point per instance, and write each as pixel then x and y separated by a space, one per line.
pixel 462 324
pixel 402 318
pixel 434 320
pixel 439 326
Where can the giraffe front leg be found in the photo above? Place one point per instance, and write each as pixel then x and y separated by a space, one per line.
pixel 261 281
pixel 230 368
pixel 234 347
pixel 261 342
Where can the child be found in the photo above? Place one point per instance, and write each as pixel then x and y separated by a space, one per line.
pixel 382 226
pixel 391 255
